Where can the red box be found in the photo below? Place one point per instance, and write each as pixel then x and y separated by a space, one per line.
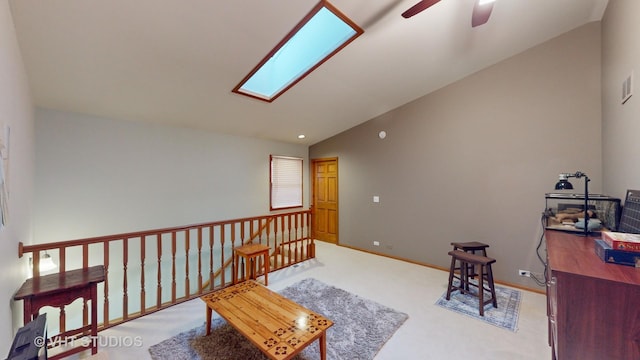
pixel 622 241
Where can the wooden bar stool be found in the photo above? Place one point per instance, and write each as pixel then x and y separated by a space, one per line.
pixel 471 247
pixel 250 254
pixel 485 274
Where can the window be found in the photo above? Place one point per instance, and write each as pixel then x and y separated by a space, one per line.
pixel 320 35
pixel 286 182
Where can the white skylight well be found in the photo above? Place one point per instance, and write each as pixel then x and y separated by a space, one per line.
pixel 321 34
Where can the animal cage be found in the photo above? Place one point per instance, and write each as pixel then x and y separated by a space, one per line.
pixel 564 210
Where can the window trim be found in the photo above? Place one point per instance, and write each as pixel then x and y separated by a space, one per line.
pixel 271 182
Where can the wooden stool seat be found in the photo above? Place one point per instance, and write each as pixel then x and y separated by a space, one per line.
pixel 471 247
pixel 485 274
pixel 249 254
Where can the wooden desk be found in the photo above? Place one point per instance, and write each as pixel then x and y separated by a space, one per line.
pixel 277 326
pixel 593 306
pixel 250 254
pixel 59 290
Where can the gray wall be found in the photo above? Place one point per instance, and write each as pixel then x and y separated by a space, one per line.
pixel 473 161
pixel 98 176
pixel 16 111
pixel 620 123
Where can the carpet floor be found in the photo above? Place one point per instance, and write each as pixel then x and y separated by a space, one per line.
pixel 361 327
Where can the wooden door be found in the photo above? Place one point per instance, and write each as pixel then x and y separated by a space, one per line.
pixel 325 199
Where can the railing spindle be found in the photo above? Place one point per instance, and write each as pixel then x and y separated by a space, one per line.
pixel 159 286
pixel 143 294
pixel 199 260
pixel 211 278
pixel 173 267
pixel 85 256
pixel 233 235
pixel 85 264
pixel 251 229
pixel 105 255
pixel 125 285
pixel 295 231
pixel 35 264
pixel 187 244
pixel 223 282
pixel 62 259
pixel 312 248
pixel 268 230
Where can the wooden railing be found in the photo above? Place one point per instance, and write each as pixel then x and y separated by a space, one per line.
pixel 151 270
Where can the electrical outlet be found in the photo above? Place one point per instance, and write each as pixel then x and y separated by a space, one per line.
pixel 525 273
pixel 376 243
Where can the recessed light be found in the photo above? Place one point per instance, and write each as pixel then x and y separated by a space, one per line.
pixel 301 136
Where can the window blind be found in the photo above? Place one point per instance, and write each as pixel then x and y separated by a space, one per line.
pixel 286 182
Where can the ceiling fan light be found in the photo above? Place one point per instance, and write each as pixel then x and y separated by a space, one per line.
pixel 481 12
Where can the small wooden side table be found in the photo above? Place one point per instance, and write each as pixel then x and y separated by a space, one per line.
pixel 250 253
pixel 59 290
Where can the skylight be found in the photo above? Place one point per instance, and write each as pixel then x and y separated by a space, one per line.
pixel 320 35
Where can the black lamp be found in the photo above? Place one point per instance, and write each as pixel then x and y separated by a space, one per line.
pixel 564 184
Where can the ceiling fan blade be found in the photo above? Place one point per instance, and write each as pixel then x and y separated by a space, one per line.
pixel 419 7
pixel 481 13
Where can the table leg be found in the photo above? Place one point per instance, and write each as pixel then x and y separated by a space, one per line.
pixel 208 326
pixel 323 345
pixel 94 318
pixel 464 272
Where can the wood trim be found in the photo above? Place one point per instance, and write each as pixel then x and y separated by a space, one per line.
pixel 445 269
pixel 101 239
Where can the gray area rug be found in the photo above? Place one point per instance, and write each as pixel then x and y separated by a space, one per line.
pixel 505 316
pixel 361 327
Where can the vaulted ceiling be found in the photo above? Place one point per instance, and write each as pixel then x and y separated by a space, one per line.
pixel 176 61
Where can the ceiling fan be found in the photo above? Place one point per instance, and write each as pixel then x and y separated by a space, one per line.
pixel 481 10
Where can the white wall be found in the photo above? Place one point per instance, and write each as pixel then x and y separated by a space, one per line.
pixel 620 123
pixel 98 176
pixel 16 111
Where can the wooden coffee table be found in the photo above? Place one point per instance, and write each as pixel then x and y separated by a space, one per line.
pixel 277 326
